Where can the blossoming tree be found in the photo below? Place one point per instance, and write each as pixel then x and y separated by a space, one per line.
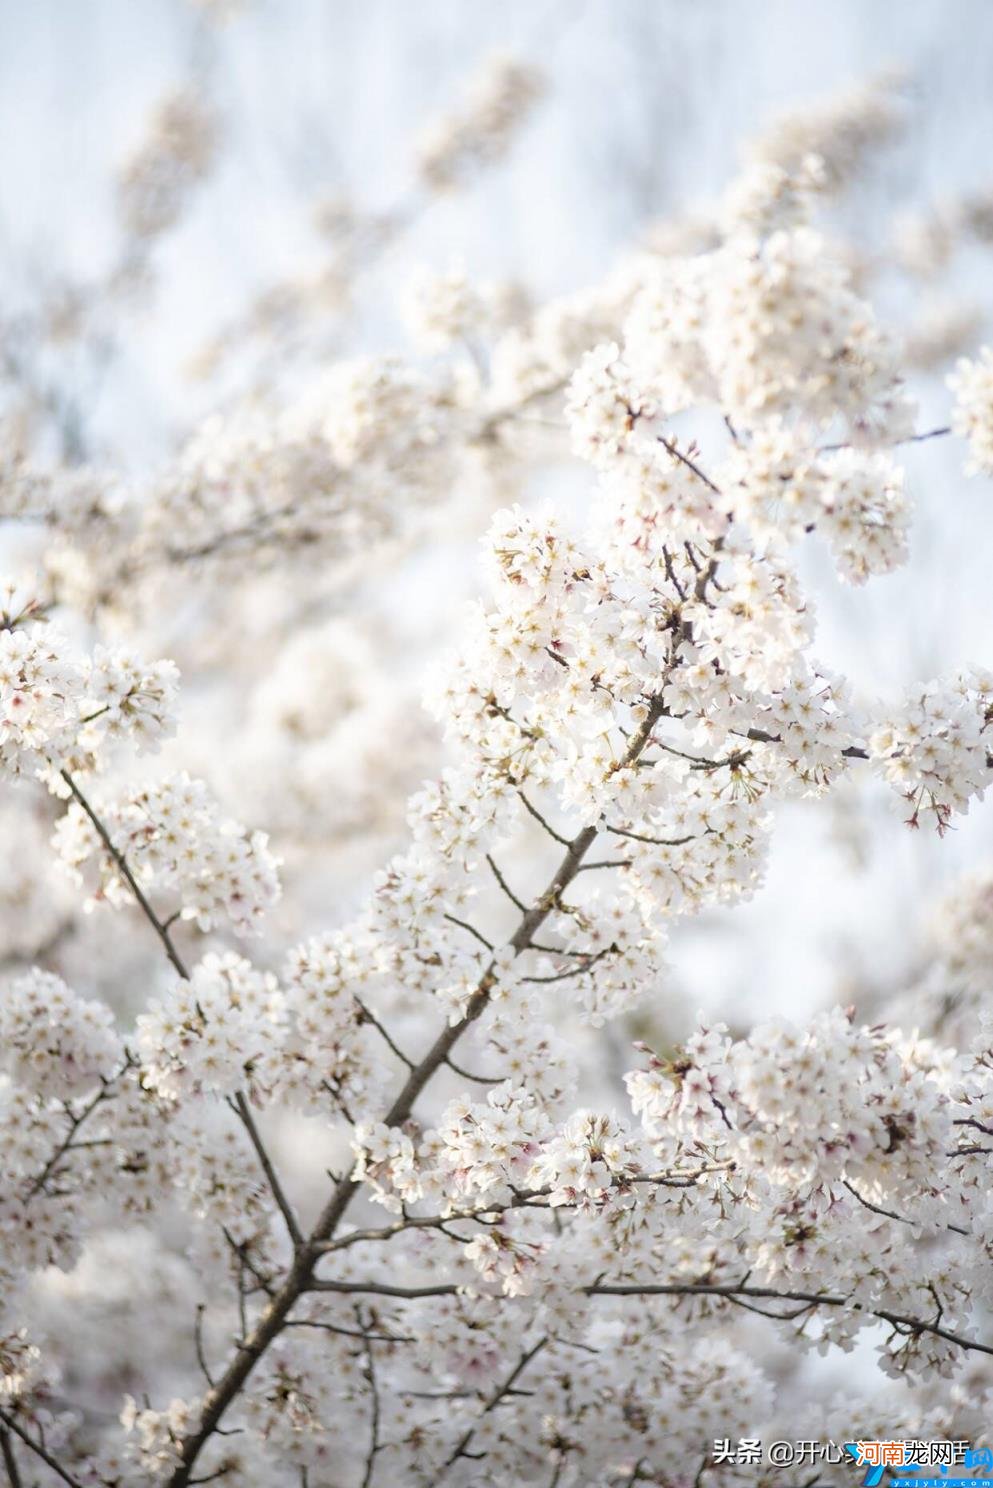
pixel 477 1261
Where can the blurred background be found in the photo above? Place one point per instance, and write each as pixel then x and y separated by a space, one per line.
pixel 650 104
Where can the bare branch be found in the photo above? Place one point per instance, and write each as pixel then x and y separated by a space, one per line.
pixel 677 454
pixel 816 1299
pixel 241 1106
pixel 39 1451
pixel 464 925
pixel 557 836
pixel 380 1289
pixel 370 1017
pixel 517 903
pixel 198 1344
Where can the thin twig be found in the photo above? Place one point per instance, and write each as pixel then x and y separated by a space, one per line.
pixel 122 864
pixel 67 1145
pixel 817 1299
pixel 465 1074
pixel 517 903
pixel 891 1213
pixel 39 1451
pixel 494 1400
pixel 370 1017
pixel 541 820
pixel 907 439
pixel 677 454
pixel 240 1104
pixel 198 1344
pixel 349 1332
pixel 464 925
pixel 370 1462
pixel 653 841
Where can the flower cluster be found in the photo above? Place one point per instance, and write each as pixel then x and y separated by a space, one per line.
pixel 853 497
pixel 806 1107
pixel 964 930
pixel 769 328
pixel 481 131
pixel 39 699
pixel 603 406
pixel 173 837
pixel 840 132
pixel 125 697
pixel 795 340
pixel 214 1033
pixel 936 752
pixel 972 384
pixel 386 1208
pixel 60 711
pixel 155 1434
pixel 444 308
pixel 54 1041
pixel 161 173
pixel 361 444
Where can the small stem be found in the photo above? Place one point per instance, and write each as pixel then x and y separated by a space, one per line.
pixel 241 1106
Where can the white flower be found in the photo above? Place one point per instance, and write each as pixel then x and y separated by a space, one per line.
pixel 972 418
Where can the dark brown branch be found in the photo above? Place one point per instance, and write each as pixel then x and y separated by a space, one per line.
pixel 759 736
pixel 730 1292
pixel 380 1289
pixel 816 1299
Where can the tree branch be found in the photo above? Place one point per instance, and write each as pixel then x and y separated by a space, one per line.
pixel 494 1400
pixel 9 1460
pixel 40 1452
pixel 370 1462
pixel 123 866
pixel 241 1106
pixel 301 1273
